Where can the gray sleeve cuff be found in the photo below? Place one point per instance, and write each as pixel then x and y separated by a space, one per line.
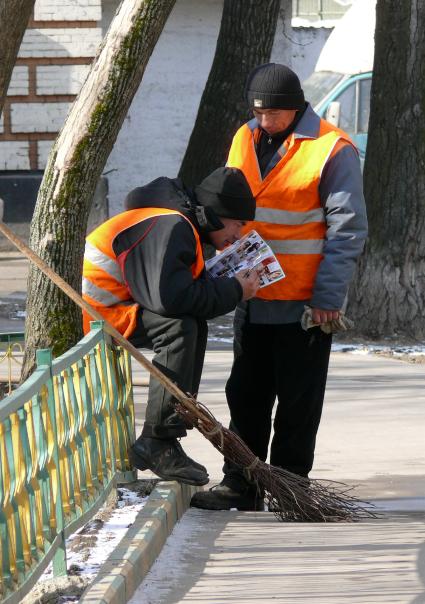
pixel 341 193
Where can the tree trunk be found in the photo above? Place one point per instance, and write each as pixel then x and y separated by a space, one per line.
pixel 388 295
pixel 14 17
pixel 245 40
pixel 58 228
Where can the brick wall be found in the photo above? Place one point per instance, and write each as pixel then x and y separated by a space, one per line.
pixel 58 47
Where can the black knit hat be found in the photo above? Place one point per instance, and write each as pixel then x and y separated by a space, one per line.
pixel 274 86
pixel 226 191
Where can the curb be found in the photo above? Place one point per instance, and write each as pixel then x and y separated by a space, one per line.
pixel 131 560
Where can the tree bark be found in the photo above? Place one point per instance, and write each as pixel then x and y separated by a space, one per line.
pixel 14 17
pixel 245 40
pixel 388 295
pixel 75 163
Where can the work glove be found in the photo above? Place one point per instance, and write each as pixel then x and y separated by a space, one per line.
pixel 334 326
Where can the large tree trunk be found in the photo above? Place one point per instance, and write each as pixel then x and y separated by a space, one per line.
pixel 14 17
pixel 388 296
pixel 245 40
pixel 78 156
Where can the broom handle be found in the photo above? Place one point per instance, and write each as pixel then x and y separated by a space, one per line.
pixel 69 291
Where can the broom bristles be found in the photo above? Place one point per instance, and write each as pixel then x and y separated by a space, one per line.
pixel 290 497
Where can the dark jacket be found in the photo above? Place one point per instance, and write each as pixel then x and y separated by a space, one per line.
pixel 158 268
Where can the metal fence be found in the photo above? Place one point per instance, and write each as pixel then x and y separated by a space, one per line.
pixel 11 349
pixel 64 439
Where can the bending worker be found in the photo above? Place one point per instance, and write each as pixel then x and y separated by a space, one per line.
pixel 306 178
pixel 144 272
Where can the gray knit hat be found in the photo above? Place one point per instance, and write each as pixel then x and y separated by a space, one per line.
pixel 274 86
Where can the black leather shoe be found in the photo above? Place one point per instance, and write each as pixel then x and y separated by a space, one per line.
pixel 168 460
pixel 222 497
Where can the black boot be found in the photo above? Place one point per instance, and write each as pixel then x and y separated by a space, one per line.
pixel 192 461
pixel 222 497
pixel 168 460
pixel 175 443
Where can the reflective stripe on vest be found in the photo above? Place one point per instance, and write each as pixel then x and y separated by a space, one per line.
pixel 293 246
pixel 100 295
pixel 286 217
pixel 107 264
pixel 289 215
pixel 104 285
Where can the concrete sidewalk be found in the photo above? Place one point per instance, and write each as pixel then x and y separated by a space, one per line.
pixel 372 429
pixel 241 558
pixel 372 434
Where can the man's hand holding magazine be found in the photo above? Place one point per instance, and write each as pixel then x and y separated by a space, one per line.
pixel 250 282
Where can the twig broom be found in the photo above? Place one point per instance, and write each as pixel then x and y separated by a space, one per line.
pixel 290 497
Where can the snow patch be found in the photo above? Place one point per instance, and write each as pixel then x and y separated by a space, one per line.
pixel 360 349
pixel 86 561
pixel 418 350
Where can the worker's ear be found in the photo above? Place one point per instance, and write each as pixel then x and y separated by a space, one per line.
pixel 208 219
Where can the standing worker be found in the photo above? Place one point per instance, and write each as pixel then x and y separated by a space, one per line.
pixel 144 272
pixel 306 178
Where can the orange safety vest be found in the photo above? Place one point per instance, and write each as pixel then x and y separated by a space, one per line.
pixel 104 285
pixel 289 215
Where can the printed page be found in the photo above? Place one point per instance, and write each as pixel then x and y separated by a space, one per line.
pixel 245 254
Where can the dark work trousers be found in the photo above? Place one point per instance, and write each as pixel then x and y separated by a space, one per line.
pixel 286 362
pixel 179 345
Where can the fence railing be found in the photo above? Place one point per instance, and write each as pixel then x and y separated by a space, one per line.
pixel 11 348
pixel 64 439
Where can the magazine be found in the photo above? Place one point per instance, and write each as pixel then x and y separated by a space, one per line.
pixel 247 253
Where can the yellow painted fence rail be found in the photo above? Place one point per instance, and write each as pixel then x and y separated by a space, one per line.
pixel 11 351
pixel 64 439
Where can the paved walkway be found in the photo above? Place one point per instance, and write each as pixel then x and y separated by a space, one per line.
pixel 372 430
pixel 241 558
pixel 372 434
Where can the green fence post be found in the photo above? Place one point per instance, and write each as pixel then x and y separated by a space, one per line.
pixel 104 360
pixel 44 357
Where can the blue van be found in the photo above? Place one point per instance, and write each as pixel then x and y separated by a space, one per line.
pixel 339 87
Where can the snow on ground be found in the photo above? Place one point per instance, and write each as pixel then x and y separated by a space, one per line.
pixel 88 548
pixel 392 350
pixel 395 351
pixel 220 331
